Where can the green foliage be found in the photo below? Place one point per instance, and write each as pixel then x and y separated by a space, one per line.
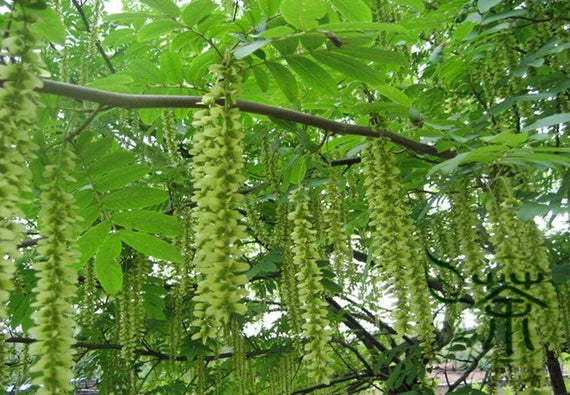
pixel 132 222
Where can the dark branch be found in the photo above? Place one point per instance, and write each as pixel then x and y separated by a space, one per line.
pixel 151 353
pixel 470 369
pixel 343 379
pixel 124 100
pixel 433 283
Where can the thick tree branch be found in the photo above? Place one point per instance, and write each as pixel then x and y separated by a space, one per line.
pixel 369 341
pixel 124 100
pixel 555 373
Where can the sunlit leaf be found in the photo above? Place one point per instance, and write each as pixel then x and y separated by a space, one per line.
pixel 151 246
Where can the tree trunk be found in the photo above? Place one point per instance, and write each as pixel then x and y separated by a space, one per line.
pixel 555 372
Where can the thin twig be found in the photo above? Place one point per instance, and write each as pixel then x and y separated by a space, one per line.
pixel 469 370
pixel 106 59
pixel 86 123
pixel 148 352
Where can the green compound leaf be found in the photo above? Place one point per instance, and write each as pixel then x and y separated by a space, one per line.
pixel 353 10
pixel 119 177
pixel 303 14
pixel 196 11
pixel 375 54
pixel 156 29
pixel 349 66
pixel 171 66
pixel 49 25
pixel 151 246
pixel 313 74
pixel 165 7
pixel 549 121
pixel 91 240
pixel 149 221
pixel 134 197
pixel 284 80
pixel 107 268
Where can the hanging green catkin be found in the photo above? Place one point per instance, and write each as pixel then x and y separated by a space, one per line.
pixel 92 39
pixel 125 329
pixel 336 234
pixel 395 244
pixel 217 161
pixel 185 279
pixel 317 214
pixel 550 331
pixel 270 158
pixel 464 210
pixel 137 313
pixel 18 105
pixel 239 360
pixel 200 371
pixel 289 285
pixel 255 223
pixel 89 295
pixel 314 318
pixel 563 293
pixel 56 286
pixel 169 135
pixel 512 253
pixel 4 372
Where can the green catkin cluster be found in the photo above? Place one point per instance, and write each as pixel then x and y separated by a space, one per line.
pixel 239 357
pixel 563 293
pixel 137 318
pixel 550 331
pixel 519 253
pixel 4 373
pixel 199 366
pixel 288 286
pixel 56 285
pixel 270 158
pixel 464 207
pixel 18 100
pixel 216 170
pixel 185 278
pixel 317 214
pixel 444 236
pixel 169 135
pixel 125 329
pixel 132 309
pixel 336 234
pixel 311 292
pixel 255 224
pixel 395 244
pixel 92 39
pixel 89 295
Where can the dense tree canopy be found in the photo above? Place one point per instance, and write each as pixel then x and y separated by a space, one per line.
pixel 284 196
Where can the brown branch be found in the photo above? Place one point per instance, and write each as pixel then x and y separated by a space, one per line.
pixel 148 352
pixel 555 373
pixel 470 369
pixel 355 352
pixel 369 341
pixel 125 100
pixel 343 379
